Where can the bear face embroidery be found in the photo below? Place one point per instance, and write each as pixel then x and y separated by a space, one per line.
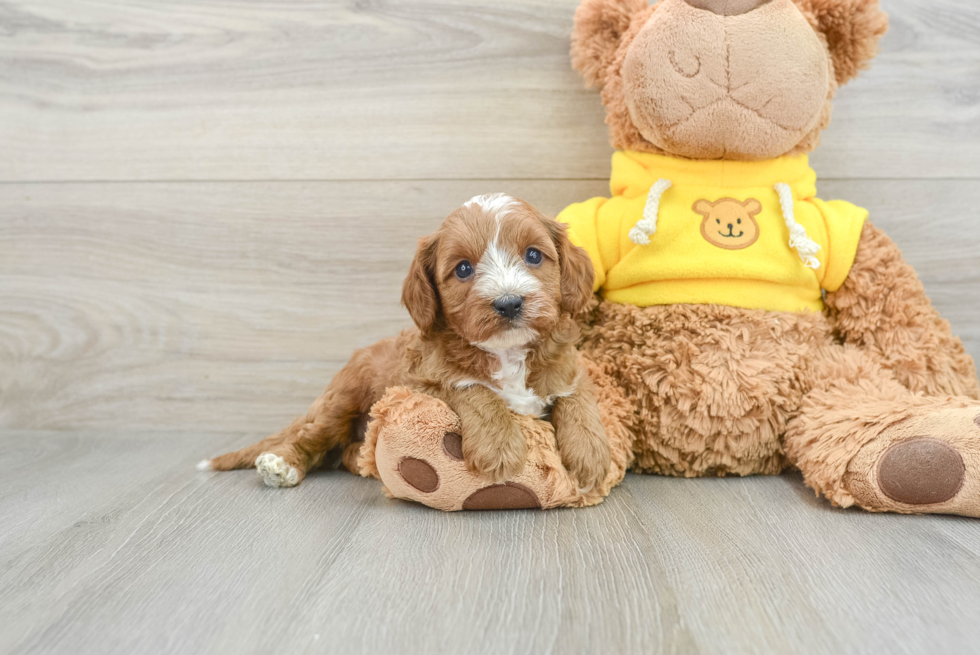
pixel 728 223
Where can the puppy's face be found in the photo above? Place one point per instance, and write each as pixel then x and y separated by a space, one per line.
pixel 497 273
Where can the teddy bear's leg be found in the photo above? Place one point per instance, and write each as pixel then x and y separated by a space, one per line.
pixel 864 439
pixel 414 447
pixel 711 388
pixel 883 309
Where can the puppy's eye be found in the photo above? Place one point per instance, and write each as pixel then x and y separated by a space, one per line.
pixel 533 257
pixel 464 269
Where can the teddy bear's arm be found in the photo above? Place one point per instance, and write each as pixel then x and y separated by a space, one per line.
pixel 882 307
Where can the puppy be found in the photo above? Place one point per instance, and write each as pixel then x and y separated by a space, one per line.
pixel 493 293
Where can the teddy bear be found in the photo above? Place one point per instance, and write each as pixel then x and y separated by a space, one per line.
pixel 742 325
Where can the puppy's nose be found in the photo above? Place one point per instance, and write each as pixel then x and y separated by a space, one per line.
pixel 727 7
pixel 508 306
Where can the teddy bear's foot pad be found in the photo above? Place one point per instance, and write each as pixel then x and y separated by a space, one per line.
pixel 509 495
pixel 419 473
pixel 921 472
pixel 926 463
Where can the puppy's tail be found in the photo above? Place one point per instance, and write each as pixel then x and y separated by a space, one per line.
pixel 244 458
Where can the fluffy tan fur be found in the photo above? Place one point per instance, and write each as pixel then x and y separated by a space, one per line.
pixel 605 32
pixel 410 424
pixel 724 391
pixel 446 357
pixel 702 390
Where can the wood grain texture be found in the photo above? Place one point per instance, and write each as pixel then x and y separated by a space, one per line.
pixel 228 306
pixel 206 205
pixel 261 89
pixel 126 549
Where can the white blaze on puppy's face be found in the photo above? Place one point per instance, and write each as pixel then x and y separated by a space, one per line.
pixel 493 251
pixel 482 265
pixel 501 273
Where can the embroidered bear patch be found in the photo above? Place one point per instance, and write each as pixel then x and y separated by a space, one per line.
pixel 728 223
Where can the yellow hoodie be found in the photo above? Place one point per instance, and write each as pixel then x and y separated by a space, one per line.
pixel 743 234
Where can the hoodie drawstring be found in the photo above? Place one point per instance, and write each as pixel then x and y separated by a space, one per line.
pixel 799 240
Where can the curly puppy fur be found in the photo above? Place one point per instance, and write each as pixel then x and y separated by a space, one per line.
pixel 473 348
pixel 411 420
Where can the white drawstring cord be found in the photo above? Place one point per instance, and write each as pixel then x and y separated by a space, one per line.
pixel 646 226
pixel 798 238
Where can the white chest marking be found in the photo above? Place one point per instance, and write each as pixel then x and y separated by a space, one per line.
pixel 512 380
pixel 511 384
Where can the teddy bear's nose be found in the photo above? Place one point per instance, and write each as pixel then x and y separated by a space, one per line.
pixel 727 7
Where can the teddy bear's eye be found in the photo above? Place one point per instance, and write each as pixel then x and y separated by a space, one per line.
pixel 740 221
pixel 718 221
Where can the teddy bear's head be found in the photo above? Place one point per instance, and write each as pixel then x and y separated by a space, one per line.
pixel 722 79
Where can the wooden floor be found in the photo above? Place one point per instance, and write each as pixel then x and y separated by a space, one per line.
pixel 113 545
pixel 205 205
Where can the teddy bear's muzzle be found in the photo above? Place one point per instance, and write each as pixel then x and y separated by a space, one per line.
pixel 727 7
pixel 748 86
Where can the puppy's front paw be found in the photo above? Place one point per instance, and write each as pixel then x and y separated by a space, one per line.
pixel 275 471
pixel 587 459
pixel 498 455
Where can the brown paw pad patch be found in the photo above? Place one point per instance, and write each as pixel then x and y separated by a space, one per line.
pixel 921 472
pixel 509 495
pixel 452 443
pixel 419 474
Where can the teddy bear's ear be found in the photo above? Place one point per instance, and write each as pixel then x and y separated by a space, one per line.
pixel 599 27
pixel 703 207
pixel 852 28
pixel 752 206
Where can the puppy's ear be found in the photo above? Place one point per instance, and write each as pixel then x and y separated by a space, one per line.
pixel 852 29
pixel 577 274
pixel 599 27
pixel 419 293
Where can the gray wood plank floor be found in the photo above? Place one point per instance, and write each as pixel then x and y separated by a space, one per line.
pixel 206 205
pixel 114 544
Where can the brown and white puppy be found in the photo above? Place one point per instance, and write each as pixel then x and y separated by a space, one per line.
pixel 493 293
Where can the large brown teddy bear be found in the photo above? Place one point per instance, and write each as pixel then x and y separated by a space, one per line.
pixel 745 326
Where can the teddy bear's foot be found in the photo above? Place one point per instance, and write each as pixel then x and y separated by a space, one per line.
pixel 928 463
pixel 414 447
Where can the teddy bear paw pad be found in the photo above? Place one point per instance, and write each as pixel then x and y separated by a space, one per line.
pixel 921 472
pixel 452 443
pixel 419 473
pixel 509 495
